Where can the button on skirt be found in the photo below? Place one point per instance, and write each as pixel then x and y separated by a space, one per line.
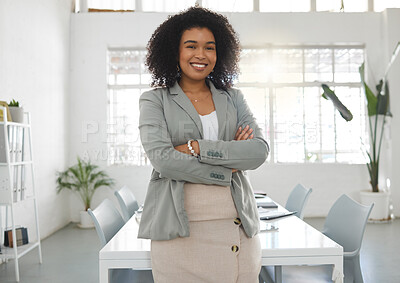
pixel 218 250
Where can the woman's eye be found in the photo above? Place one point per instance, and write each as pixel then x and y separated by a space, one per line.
pixel 210 48
pixel 190 46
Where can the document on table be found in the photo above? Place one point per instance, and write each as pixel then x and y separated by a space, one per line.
pixel 267 214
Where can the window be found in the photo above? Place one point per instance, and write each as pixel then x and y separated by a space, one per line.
pixel 171 6
pixel 228 5
pixel 348 6
pixel 380 5
pixel 111 4
pixel 166 6
pixel 127 79
pixel 285 6
pixel 282 87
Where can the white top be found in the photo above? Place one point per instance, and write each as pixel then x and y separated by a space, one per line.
pixel 210 126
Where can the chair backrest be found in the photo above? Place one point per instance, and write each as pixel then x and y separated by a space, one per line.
pixel 297 200
pixel 107 220
pixel 345 223
pixel 127 202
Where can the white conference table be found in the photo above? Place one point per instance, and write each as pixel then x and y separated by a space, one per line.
pixel 295 243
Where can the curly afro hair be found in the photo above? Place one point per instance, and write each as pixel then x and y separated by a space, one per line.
pixel 163 47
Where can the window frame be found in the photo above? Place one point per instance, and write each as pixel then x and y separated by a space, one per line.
pixel 270 86
pixel 138 7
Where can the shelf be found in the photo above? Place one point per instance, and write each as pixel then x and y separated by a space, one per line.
pixel 16 124
pixel 28 198
pixel 8 253
pixel 16 163
pixel 13 175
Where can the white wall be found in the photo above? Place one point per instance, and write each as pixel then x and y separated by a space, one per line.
pixel 34 69
pixel 392 21
pixel 91 34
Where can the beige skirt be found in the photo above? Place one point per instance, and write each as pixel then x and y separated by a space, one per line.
pixel 218 250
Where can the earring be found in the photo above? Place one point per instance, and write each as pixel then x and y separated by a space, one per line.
pixel 177 68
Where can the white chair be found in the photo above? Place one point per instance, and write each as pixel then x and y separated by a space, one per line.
pixel 345 224
pixel 127 202
pixel 108 222
pixel 297 200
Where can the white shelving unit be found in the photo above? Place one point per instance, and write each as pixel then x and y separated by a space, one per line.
pixel 16 163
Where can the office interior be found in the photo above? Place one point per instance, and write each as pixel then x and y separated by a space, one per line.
pixel 54 60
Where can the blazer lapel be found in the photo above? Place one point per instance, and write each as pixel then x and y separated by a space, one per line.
pixel 221 106
pixel 184 102
pixel 220 102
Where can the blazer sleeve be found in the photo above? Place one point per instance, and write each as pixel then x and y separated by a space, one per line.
pixel 241 155
pixel 169 162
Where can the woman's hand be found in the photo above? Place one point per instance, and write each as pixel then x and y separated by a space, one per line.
pixel 241 135
pixel 245 134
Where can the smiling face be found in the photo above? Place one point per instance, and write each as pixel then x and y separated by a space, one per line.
pixel 197 54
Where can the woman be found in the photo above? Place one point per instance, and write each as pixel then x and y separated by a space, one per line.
pixel 200 136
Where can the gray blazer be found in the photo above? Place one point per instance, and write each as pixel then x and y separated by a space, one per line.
pixel 167 119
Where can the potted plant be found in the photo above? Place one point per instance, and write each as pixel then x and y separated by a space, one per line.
pixel 83 178
pixel 378 106
pixel 17 112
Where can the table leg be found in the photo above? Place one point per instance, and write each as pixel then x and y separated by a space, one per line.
pixel 103 272
pixel 337 273
pixel 278 273
pixel 264 276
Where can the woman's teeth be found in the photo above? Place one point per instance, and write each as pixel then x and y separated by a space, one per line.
pixel 199 65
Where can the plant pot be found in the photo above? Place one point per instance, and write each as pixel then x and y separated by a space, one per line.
pixel 380 211
pixel 17 114
pixel 86 220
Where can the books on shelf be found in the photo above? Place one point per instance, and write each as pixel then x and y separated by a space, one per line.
pixel 2 145
pixel 15 142
pixel 21 234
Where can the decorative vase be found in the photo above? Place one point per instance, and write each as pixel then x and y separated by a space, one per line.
pixel 380 211
pixel 86 220
pixel 17 114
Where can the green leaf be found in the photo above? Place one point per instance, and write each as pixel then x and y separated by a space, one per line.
pixel 13 103
pixel 388 113
pixel 84 178
pixel 379 104
pixel 383 101
pixel 372 100
pixel 330 94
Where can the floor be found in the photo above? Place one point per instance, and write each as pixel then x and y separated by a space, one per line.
pixel 71 255
pixel 380 251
